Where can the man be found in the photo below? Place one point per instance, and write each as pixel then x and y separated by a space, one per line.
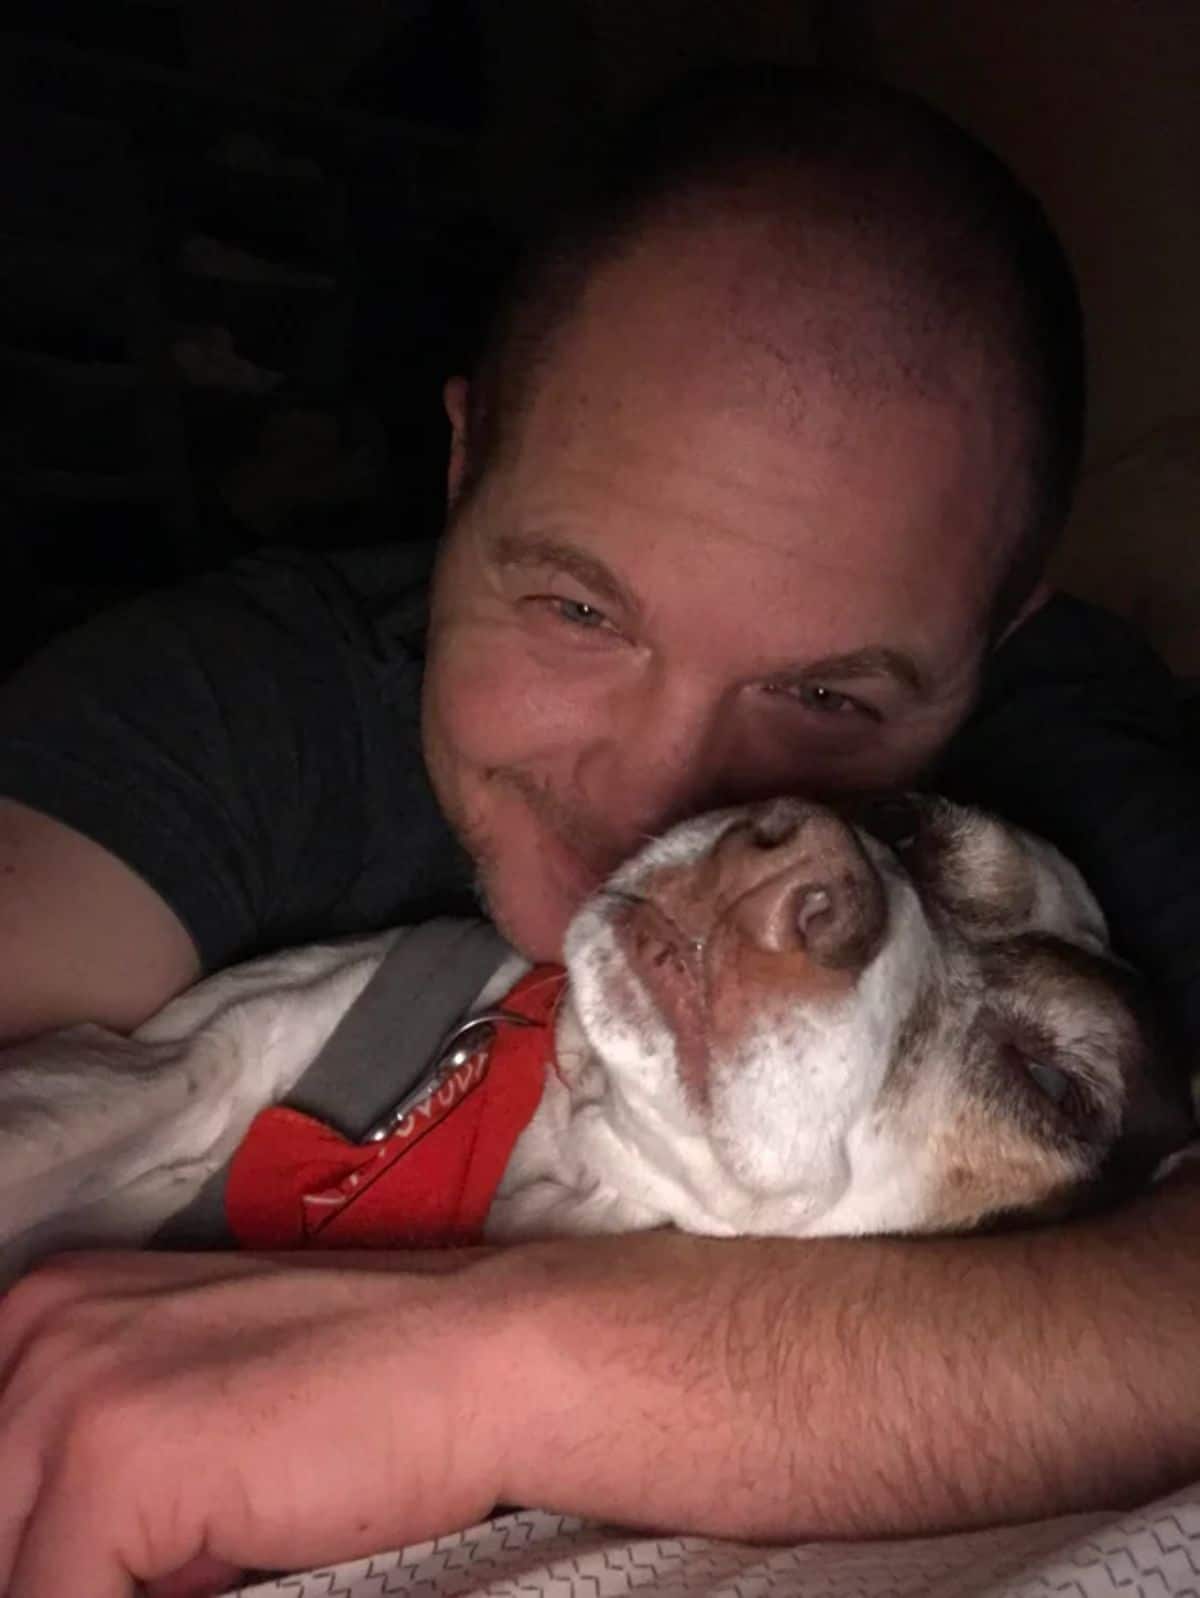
pixel 763 461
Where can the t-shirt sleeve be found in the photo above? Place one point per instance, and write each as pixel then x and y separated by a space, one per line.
pixel 209 737
pixel 1078 736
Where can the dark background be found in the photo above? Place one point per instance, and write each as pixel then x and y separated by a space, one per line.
pixel 242 246
pixel 243 242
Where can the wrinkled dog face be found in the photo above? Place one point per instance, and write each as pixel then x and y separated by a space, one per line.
pixel 909 1022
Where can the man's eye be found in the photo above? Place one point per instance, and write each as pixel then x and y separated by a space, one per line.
pixel 823 701
pixel 579 613
pixel 826 699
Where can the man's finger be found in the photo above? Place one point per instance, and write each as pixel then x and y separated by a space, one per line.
pixel 21 1489
pixel 104 1275
pixel 67 1543
pixel 59 1554
pixel 26 1306
pixel 192 1403
pixel 87 1534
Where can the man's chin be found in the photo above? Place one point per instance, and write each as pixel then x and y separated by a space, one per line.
pixel 532 915
pixel 534 890
pixel 531 880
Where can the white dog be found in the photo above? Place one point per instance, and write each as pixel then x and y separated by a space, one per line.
pixel 775 1020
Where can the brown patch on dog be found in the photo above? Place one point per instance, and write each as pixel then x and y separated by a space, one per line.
pixel 971 1121
pixel 915 1041
pixel 977 872
pixel 1008 1149
pixel 991 1166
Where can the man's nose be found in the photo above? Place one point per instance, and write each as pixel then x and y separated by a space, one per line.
pixel 794 879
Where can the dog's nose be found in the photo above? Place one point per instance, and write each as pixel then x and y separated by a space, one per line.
pixel 796 881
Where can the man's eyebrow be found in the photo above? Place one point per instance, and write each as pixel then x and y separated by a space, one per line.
pixel 513 550
pixel 875 661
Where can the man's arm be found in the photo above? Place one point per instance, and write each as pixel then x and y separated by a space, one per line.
pixel 199 776
pixel 82 936
pixel 859 1387
pixel 869 1387
pixel 766 1390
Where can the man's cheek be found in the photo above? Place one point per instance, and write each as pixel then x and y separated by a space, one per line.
pixel 502 707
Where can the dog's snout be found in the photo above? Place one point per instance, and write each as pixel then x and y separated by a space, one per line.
pixel 797 881
pixel 834 915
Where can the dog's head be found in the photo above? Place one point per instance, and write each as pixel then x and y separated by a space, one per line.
pixel 790 1021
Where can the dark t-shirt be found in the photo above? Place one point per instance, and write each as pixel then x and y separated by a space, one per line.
pixel 250 745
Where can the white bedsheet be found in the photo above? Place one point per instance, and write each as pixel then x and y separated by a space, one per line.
pixel 1152 1551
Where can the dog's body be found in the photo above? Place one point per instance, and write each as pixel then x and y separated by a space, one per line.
pixel 776 1021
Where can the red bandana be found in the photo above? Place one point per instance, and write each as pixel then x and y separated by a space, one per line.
pixel 295 1183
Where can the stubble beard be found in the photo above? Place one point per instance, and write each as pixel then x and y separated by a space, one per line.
pixel 477 835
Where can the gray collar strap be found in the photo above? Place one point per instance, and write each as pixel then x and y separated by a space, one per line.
pixel 379 1053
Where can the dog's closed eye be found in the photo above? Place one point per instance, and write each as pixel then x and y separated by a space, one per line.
pixel 1057 1052
pixel 1054 1082
pixel 1060 1089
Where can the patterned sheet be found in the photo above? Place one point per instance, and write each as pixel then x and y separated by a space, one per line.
pixel 1153 1551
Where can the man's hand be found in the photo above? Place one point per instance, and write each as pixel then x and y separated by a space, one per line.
pixel 206 1414
pixel 159 1410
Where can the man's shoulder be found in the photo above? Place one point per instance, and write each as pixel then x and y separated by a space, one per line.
pixel 249 743
pixel 277 637
pixel 1072 638
pixel 376 598
pixel 275 609
pixel 1080 735
pixel 1071 671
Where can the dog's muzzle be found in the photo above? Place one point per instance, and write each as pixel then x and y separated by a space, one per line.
pixel 786 878
pixel 796 880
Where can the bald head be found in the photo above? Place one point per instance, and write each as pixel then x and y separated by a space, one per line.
pixel 815 234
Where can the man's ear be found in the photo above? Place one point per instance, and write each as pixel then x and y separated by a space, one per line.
pixel 455 396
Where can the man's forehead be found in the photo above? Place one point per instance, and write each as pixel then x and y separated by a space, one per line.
pixel 883 519
pixel 668 338
pixel 768 316
pixel 658 433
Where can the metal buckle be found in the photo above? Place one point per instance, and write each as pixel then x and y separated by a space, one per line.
pixel 451 1053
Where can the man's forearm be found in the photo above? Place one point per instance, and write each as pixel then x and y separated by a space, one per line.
pixel 847 1387
pixel 755 1389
